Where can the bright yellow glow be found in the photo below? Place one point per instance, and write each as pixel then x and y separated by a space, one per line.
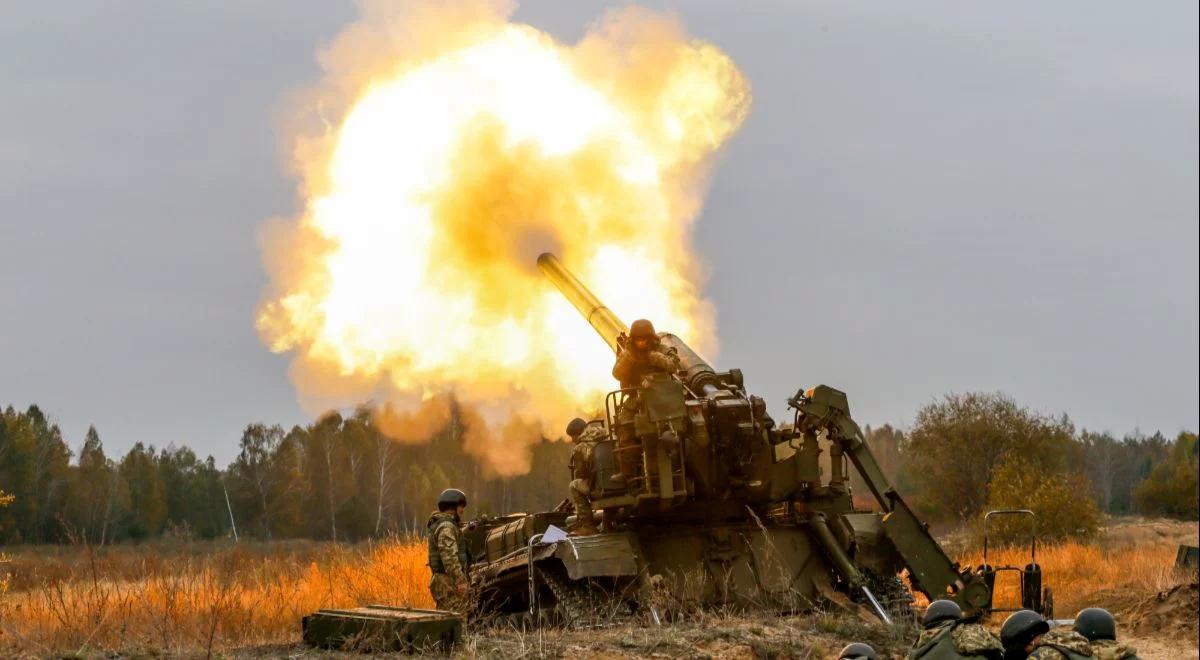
pixel 411 271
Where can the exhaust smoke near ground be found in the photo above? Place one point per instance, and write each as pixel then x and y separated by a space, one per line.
pixel 445 148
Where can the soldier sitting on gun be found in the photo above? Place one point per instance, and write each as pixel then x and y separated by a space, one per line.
pixel 643 355
pixel 947 636
pixel 584 436
pixel 448 556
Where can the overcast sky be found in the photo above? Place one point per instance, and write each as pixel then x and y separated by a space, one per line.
pixel 927 197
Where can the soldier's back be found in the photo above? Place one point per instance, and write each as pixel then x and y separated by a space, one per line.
pixel 1107 649
pixel 1062 644
pixel 957 641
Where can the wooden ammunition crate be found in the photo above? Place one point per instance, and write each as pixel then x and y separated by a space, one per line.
pixel 379 628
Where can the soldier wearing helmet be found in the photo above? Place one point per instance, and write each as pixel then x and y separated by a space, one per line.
pixel 584 436
pixel 643 355
pixel 1020 631
pixel 448 556
pixel 946 635
pixel 1062 644
pixel 1100 629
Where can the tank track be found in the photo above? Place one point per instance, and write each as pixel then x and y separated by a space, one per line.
pixel 579 605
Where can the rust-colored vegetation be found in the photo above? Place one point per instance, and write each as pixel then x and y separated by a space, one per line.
pixel 196 596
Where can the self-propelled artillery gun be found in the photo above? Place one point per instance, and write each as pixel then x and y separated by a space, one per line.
pixel 724 505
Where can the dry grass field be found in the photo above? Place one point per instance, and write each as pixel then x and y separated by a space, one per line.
pixel 247 599
pixel 196 597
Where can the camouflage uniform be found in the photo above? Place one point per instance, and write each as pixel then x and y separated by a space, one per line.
pixel 582 474
pixel 448 560
pixel 633 366
pixel 1062 644
pixel 631 369
pixel 1107 649
pixel 953 640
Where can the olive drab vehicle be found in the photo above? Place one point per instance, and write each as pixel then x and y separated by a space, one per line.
pixel 725 505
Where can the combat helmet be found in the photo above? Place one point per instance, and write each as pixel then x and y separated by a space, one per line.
pixel 575 427
pixel 451 498
pixel 858 651
pixel 642 328
pixel 940 611
pixel 1096 623
pixel 1020 628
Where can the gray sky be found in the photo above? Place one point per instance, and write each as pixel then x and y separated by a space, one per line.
pixel 927 197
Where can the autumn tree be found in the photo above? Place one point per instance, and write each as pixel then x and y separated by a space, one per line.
pixel 147 512
pixel 1171 488
pixel 958 443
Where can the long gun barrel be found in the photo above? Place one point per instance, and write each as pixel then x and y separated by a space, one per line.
pixel 601 318
pixel 696 373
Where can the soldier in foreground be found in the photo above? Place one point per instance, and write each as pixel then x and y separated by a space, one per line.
pixel 946 636
pixel 1020 631
pixel 448 558
pixel 642 356
pixel 1100 629
pixel 1062 644
pixel 584 436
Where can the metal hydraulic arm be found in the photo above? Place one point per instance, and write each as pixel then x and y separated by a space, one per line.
pixel 931 572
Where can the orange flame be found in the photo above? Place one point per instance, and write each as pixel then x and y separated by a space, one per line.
pixel 466 145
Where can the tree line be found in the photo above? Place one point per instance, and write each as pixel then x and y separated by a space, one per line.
pixel 341 478
pixel 970 453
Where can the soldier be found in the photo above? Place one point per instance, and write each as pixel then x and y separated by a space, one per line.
pixel 448 558
pixel 642 356
pixel 858 651
pixel 1062 644
pixel 1100 629
pixel 584 436
pixel 946 636
pixel 1019 633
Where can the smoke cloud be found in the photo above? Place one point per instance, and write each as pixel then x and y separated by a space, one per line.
pixel 444 149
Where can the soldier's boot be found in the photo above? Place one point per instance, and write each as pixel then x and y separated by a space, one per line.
pixel 585 524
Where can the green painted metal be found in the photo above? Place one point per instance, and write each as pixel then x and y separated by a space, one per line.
pixel 380 629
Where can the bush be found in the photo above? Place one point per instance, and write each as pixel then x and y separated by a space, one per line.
pixel 1060 500
pixel 958 443
pixel 1171 488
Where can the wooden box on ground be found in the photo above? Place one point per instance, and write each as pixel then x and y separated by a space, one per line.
pixel 379 628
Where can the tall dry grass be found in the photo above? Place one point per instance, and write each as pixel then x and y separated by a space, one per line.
pixel 197 597
pixel 1081 575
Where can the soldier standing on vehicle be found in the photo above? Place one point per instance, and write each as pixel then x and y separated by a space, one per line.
pixel 643 355
pixel 448 557
pixel 584 436
pixel 1100 629
pixel 946 636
